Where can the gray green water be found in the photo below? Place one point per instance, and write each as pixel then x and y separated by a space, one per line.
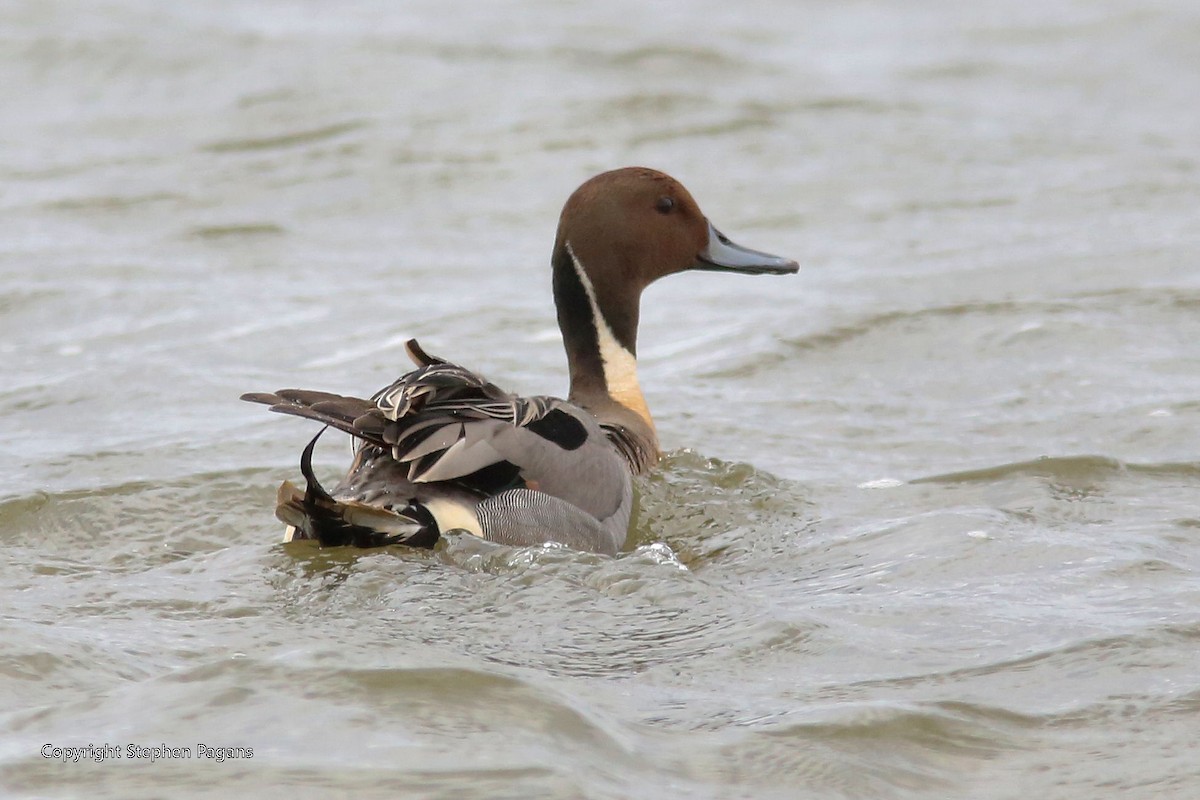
pixel 930 522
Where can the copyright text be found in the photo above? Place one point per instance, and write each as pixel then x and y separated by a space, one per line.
pixel 143 753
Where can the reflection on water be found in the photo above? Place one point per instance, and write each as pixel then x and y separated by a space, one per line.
pixel 928 523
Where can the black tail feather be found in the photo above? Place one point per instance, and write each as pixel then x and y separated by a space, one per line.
pixel 324 521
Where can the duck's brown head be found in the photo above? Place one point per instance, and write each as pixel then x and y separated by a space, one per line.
pixel 618 233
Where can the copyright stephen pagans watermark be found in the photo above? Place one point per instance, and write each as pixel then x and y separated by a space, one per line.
pixel 143 753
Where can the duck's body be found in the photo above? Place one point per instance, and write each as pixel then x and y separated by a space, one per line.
pixel 443 449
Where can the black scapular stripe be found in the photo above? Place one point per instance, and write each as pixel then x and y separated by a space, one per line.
pixel 561 428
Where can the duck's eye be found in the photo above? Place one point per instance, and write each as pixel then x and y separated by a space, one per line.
pixel 665 205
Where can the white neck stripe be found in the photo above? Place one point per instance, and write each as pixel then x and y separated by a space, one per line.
pixel 620 365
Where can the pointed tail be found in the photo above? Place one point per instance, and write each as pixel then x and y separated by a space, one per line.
pixel 315 514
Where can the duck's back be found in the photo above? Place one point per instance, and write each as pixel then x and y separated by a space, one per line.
pixel 443 449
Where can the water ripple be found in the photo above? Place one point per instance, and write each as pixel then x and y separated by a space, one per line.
pixel 281 141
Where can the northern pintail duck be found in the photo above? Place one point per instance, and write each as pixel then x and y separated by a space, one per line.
pixel 443 449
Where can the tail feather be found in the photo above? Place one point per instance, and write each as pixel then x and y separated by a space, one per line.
pixel 315 514
pixel 419 356
pixel 350 415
